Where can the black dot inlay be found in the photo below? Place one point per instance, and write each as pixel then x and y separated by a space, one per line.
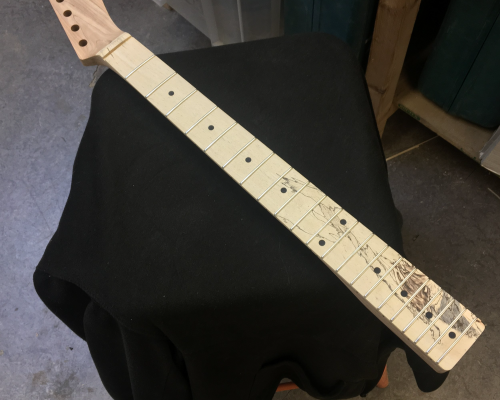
pixel 404 293
pixel 376 270
pixel 343 221
pixel 321 242
pixel 428 314
pixel 248 159
pixel 171 93
pixel 283 190
pixel 210 127
pixel 452 335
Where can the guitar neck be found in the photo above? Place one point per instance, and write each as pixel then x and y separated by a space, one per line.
pixel 429 320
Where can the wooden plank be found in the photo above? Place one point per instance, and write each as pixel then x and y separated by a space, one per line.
pixel 391 36
pixel 464 135
pixel 490 153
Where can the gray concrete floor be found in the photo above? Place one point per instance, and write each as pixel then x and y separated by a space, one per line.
pixel 451 227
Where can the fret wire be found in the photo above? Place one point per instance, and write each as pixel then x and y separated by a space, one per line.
pixel 201 119
pixel 456 341
pixel 410 299
pixel 218 137
pixel 383 277
pixel 422 311
pixel 339 239
pixel 326 223
pixel 182 101
pixel 256 168
pixel 160 84
pixel 369 265
pixel 354 252
pixel 275 182
pixel 435 320
pixel 291 198
pixel 238 153
pixel 308 211
pixel 139 66
pixel 397 288
pixel 446 331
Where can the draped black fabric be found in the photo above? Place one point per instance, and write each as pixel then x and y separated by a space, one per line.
pixel 183 286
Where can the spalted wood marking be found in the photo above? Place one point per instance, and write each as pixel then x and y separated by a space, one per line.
pixel 317 218
pixel 332 232
pixel 347 246
pixel 359 262
pixel 265 176
pixel 202 135
pixel 300 205
pixel 287 186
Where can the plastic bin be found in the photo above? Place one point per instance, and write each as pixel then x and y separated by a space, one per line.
pixel 231 21
pixel 462 73
pixel 350 20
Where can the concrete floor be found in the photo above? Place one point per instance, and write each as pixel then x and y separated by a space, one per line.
pixel 451 228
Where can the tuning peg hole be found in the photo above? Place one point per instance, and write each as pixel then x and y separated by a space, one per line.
pixel 82 43
pixel 59 1
pixel 67 13
pixel 75 28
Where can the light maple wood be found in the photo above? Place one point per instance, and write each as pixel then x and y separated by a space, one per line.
pixel 390 286
pixel 391 36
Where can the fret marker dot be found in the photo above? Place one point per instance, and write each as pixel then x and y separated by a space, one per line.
pixel 283 190
pixel 428 314
pixel 343 221
pixel 452 335
pixel 248 159
pixel 376 270
pixel 322 242
pixel 171 93
pixel 404 293
pixel 210 127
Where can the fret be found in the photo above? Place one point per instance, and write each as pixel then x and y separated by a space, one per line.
pixel 356 250
pixel 282 191
pixel 307 229
pixel 290 199
pixel 448 305
pixel 404 324
pixel 460 344
pixel 446 330
pixel 210 128
pixel 266 177
pixel 238 153
pixel 191 111
pixel 397 288
pixel 303 202
pixel 170 94
pixel 201 119
pixel 395 315
pixel 127 57
pixel 139 66
pixel 151 74
pixel 308 211
pixel 256 168
pixel 375 285
pixel 353 240
pixel 180 102
pixel 331 233
pixel 246 160
pixel 160 84
pixel 361 262
pixel 228 144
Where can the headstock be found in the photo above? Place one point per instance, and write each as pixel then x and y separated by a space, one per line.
pixel 89 28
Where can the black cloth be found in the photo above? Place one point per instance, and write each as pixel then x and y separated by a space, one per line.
pixel 183 285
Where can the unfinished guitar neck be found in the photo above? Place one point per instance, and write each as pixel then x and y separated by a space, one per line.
pixel 429 320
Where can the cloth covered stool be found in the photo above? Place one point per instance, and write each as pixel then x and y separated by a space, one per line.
pixel 183 286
